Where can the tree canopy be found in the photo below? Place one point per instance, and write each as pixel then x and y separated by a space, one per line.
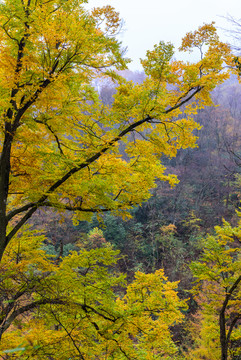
pixel 62 148
pixel 76 308
pixel 59 144
pixel 218 290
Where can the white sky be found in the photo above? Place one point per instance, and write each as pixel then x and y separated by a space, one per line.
pixel 150 21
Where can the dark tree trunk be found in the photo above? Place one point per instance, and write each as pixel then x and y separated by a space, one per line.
pixel 5 168
pixel 223 337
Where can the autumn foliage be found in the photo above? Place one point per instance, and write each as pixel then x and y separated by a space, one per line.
pixel 62 148
pixel 218 293
pixel 60 144
pixel 82 307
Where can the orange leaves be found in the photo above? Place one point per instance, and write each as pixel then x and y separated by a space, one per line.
pixel 205 35
pixel 107 19
pixel 215 58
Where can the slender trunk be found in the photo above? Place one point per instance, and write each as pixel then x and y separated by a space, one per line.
pixel 223 337
pixel 5 168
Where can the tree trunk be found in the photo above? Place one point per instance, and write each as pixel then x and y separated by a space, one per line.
pixel 5 167
pixel 223 337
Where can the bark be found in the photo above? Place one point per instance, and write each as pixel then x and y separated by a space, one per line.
pixel 5 168
pixel 224 338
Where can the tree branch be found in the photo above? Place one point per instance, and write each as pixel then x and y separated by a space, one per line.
pixel 185 98
pixel 229 294
pixel 52 132
pixel 19 225
pixel 29 307
pixel 234 321
pixel 15 212
pixel 69 335
pixel 42 200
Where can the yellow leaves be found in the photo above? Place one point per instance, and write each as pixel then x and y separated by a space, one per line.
pixel 205 35
pixel 218 275
pixel 214 56
pixel 168 229
pixel 172 179
pixel 191 75
pixel 154 294
pixel 68 146
pixel 204 329
pixel 131 102
pixel 22 250
pixel 157 61
pixel 109 17
pixel 78 297
pixel 154 305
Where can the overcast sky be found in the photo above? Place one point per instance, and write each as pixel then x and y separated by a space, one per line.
pixel 147 22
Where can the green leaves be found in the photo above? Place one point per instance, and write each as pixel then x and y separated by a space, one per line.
pixel 82 305
pixel 218 290
pixel 157 61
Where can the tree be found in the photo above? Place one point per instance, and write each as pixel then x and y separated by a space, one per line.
pixel 81 307
pixel 218 293
pixel 59 143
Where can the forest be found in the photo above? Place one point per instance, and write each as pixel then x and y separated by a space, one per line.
pixel 120 191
